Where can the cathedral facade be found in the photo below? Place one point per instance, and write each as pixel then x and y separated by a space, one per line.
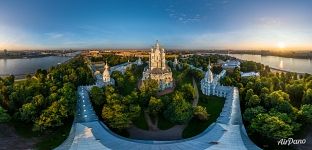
pixel 208 84
pixel 157 68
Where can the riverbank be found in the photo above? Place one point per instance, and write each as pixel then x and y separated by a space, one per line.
pixel 274 70
pixel 280 64
pixel 22 76
pixel 18 77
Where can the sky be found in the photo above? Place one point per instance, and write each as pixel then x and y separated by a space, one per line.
pixel 187 24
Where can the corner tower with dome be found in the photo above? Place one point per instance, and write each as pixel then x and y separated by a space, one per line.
pixel 106 76
pixel 157 68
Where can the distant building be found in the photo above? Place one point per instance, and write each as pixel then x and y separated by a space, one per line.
pixel 175 62
pixel 94 53
pixel 231 64
pixel 138 62
pixel 5 51
pixel 106 76
pixel 250 74
pixel 157 68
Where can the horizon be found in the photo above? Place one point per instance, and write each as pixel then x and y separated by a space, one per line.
pixel 281 25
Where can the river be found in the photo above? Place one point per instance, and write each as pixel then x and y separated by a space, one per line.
pixel 282 63
pixel 22 66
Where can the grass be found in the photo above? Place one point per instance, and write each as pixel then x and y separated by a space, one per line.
pixel 163 123
pixel 213 106
pixel 140 122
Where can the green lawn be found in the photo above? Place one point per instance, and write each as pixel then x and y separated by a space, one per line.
pixel 164 124
pixel 214 107
pixel 140 122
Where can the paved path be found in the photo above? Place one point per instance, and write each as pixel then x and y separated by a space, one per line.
pixel 196 96
pixel 151 126
pixel 308 144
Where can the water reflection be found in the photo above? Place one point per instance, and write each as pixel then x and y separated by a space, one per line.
pixel 288 64
pixel 26 66
pixel 281 65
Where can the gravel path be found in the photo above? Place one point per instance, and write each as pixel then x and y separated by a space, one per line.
pixel 151 126
pixel 196 96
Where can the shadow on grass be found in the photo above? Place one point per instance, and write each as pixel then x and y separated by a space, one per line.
pixel 48 139
pixel 213 106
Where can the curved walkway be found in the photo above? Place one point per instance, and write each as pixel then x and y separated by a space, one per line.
pixel 227 133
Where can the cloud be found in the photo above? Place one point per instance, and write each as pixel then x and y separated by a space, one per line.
pixel 54 35
pixel 268 22
pixel 183 16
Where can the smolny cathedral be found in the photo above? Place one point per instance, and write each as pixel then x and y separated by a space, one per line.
pixel 157 68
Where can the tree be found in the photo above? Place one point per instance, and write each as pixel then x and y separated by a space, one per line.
pixel 279 100
pixel 306 113
pixel 226 81
pixel 188 91
pixel 264 93
pixel 295 91
pixel 253 101
pixel 155 106
pixel 271 126
pixel 248 95
pixel 248 66
pixel 28 112
pixel 307 98
pixel 97 97
pixel 201 113
pixel 252 112
pixel 4 117
pixel 133 111
pixel 148 88
pixel 179 111
pixel 39 101
pixel 53 116
pixel 115 117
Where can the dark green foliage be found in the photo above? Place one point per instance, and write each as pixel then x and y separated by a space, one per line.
pixel 271 126
pixel 306 113
pixel 48 98
pixel 252 112
pixel 155 106
pixel 270 103
pixel 307 99
pixel 179 110
pixel 4 117
pixel 201 113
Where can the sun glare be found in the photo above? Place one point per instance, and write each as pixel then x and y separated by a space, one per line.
pixel 281 45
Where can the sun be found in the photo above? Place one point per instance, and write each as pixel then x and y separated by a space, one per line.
pixel 281 45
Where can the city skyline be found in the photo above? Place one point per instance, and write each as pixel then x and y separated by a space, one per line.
pixel 213 24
